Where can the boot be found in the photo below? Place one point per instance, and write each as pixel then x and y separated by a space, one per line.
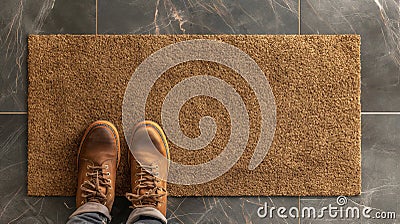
pixel 148 172
pixel 98 159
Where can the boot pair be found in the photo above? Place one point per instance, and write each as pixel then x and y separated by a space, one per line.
pixel 98 159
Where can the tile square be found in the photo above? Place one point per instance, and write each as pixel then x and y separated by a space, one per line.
pixel 198 17
pixel 377 22
pixel 380 176
pixel 20 18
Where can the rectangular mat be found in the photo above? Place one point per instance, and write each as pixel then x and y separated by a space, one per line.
pixel 315 80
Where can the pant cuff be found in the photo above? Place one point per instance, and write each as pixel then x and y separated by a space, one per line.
pixel 90 207
pixel 146 211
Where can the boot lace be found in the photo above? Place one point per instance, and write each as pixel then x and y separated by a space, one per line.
pixel 91 188
pixel 148 181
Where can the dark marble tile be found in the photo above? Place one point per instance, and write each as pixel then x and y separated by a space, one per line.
pixel 199 17
pixel 378 23
pixel 227 209
pixel 380 174
pixel 15 205
pixel 214 209
pixel 19 18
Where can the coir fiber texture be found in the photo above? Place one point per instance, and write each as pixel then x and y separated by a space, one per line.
pixel 315 79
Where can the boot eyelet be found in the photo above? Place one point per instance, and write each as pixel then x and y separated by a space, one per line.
pixel 86 174
pixel 108 173
pixel 106 167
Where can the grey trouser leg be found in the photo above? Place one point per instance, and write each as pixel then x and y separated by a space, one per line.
pixel 96 213
pixel 90 212
pixel 138 216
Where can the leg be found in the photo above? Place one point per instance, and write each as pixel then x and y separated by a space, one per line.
pixel 98 159
pixel 146 215
pixel 93 218
pixel 90 213
pixel 149 171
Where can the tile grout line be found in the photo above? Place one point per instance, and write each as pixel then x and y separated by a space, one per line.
pixel 96 14
pixel 299 13
pixel 299 209
pixel 380 113
pixel 13 112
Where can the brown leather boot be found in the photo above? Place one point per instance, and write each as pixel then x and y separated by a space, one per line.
pixel 149 171
pixel 98 159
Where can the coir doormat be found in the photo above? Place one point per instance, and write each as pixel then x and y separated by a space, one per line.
pixel 315 82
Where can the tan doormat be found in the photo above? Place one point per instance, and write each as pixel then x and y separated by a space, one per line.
pixel 315 81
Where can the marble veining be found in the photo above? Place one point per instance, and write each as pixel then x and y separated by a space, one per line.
pixel 200 17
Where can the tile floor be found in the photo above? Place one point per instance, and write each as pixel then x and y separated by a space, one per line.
pixel 377 21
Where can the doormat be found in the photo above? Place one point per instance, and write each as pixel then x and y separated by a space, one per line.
pixel 314 79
